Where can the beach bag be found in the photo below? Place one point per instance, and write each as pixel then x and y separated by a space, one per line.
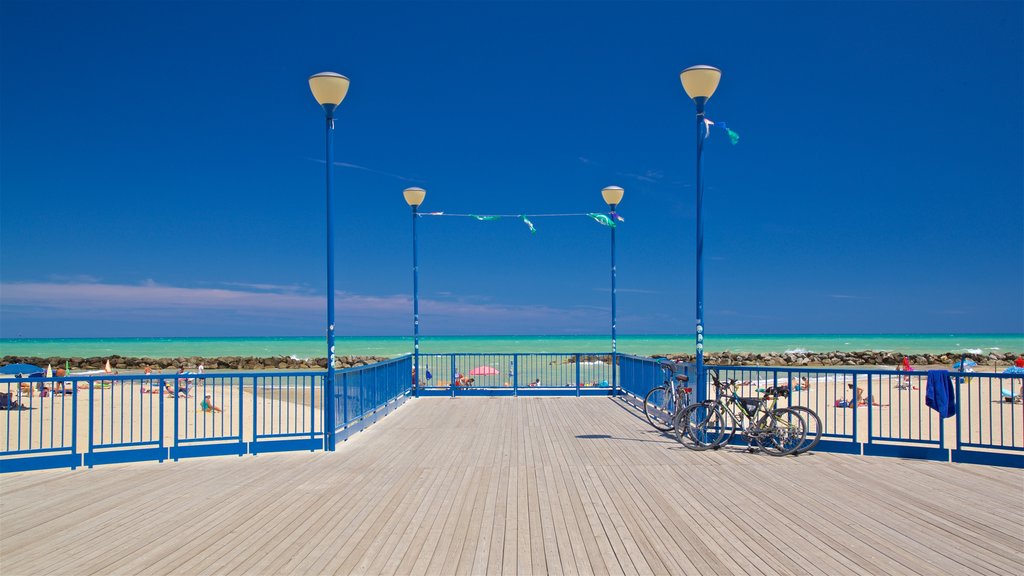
pixel 843 403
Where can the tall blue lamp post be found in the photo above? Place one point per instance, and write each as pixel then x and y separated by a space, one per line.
pixel 612 196
pixel 329 89
pixel 414 197
pixel 700 83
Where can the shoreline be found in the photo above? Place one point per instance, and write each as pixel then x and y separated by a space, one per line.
pixel 995 360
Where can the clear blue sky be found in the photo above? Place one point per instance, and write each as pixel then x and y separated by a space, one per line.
pixel 161 166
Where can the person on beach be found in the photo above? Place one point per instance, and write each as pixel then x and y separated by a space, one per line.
pixel 208 405
pixel 863 401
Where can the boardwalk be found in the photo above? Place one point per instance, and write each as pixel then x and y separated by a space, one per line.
pixel 527 486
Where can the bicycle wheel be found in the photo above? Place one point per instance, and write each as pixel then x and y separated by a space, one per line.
pixel 703 426
pixel 782 432
pixel 814 428
pixel 660 408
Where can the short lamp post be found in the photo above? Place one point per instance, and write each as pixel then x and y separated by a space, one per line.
pixel 613 196
pixel 329 89
pixel 700 83
pixel 414 197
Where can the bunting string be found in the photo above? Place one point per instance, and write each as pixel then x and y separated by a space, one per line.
pixel 608 220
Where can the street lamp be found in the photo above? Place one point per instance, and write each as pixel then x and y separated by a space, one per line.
pixel 700 83
pixel 612 196
pixel 329 89
pixel 414 197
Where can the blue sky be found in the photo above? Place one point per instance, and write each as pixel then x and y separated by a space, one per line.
pixel 161 166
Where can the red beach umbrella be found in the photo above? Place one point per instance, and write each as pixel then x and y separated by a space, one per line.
pixel 483 371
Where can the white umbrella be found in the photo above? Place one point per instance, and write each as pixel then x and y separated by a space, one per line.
pixel 49 371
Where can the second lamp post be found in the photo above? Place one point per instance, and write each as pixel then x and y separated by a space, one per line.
pixel 700 83
pixel 613 196
pixel 329 89
pixel 414 197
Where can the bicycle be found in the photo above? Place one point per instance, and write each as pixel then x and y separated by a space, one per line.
pixel 714 423
pixel 813 429
pixel 662 403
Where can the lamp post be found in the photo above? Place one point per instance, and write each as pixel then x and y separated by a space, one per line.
pixel 700 83
pixel 329 89
pixel 414 197
pixel 612 196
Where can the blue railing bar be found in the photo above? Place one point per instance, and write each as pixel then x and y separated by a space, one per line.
pixel 211 440
pixel 36 451
pixel 289 435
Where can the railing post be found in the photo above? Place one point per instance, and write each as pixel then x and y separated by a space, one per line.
pixel 856 410
pixel 451 384
pixel 701 386
pixel 577 375
pixel 329 422
pixel 255 420
pixel 344 399
pixel 241 414
pixel 515 374
pixel 74 425
pixel 328 406
pixel 615 370
pixel 960 403
pixel 92 415
pixel 175 440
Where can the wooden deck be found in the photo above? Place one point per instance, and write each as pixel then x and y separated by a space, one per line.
pixel 503 486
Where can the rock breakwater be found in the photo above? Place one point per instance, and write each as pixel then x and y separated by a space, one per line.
pixel 192 362
pixel 727 358
pixel 863 358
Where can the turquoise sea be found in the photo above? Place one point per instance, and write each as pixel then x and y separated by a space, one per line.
pixel 313 347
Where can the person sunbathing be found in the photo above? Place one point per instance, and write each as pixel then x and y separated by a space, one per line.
pixel 863 401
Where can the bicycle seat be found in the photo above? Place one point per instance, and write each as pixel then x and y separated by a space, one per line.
pixel 682 378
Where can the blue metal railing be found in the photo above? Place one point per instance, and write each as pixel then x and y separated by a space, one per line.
pixel 128 418
pixel 365 394
pixel 514 374
pixel 883 412
pixel 80 420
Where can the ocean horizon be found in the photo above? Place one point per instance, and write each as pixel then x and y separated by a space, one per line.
pixel 302 347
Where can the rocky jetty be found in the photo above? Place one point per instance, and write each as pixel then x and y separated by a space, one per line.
pixel 865 358
pixel 727 358
pixel 191 362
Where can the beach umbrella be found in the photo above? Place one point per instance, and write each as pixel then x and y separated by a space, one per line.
pixel 49 371
pixel 1014 370
pixel 966 363
pixel 483 371
pixel 107 367
pixel 25 369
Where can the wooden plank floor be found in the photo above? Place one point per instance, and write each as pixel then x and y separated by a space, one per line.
pixel 515 486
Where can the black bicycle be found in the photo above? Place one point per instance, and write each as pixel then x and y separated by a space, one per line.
pixel 713 423
pixel 663 402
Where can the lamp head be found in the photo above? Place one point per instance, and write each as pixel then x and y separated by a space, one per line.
pixel 414 196
pixel 329 89
pixel 700 81
pixel 612 195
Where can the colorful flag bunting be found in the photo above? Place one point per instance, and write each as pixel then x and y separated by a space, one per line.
pixel 603 220
pixel 733 136
pixel 528 224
